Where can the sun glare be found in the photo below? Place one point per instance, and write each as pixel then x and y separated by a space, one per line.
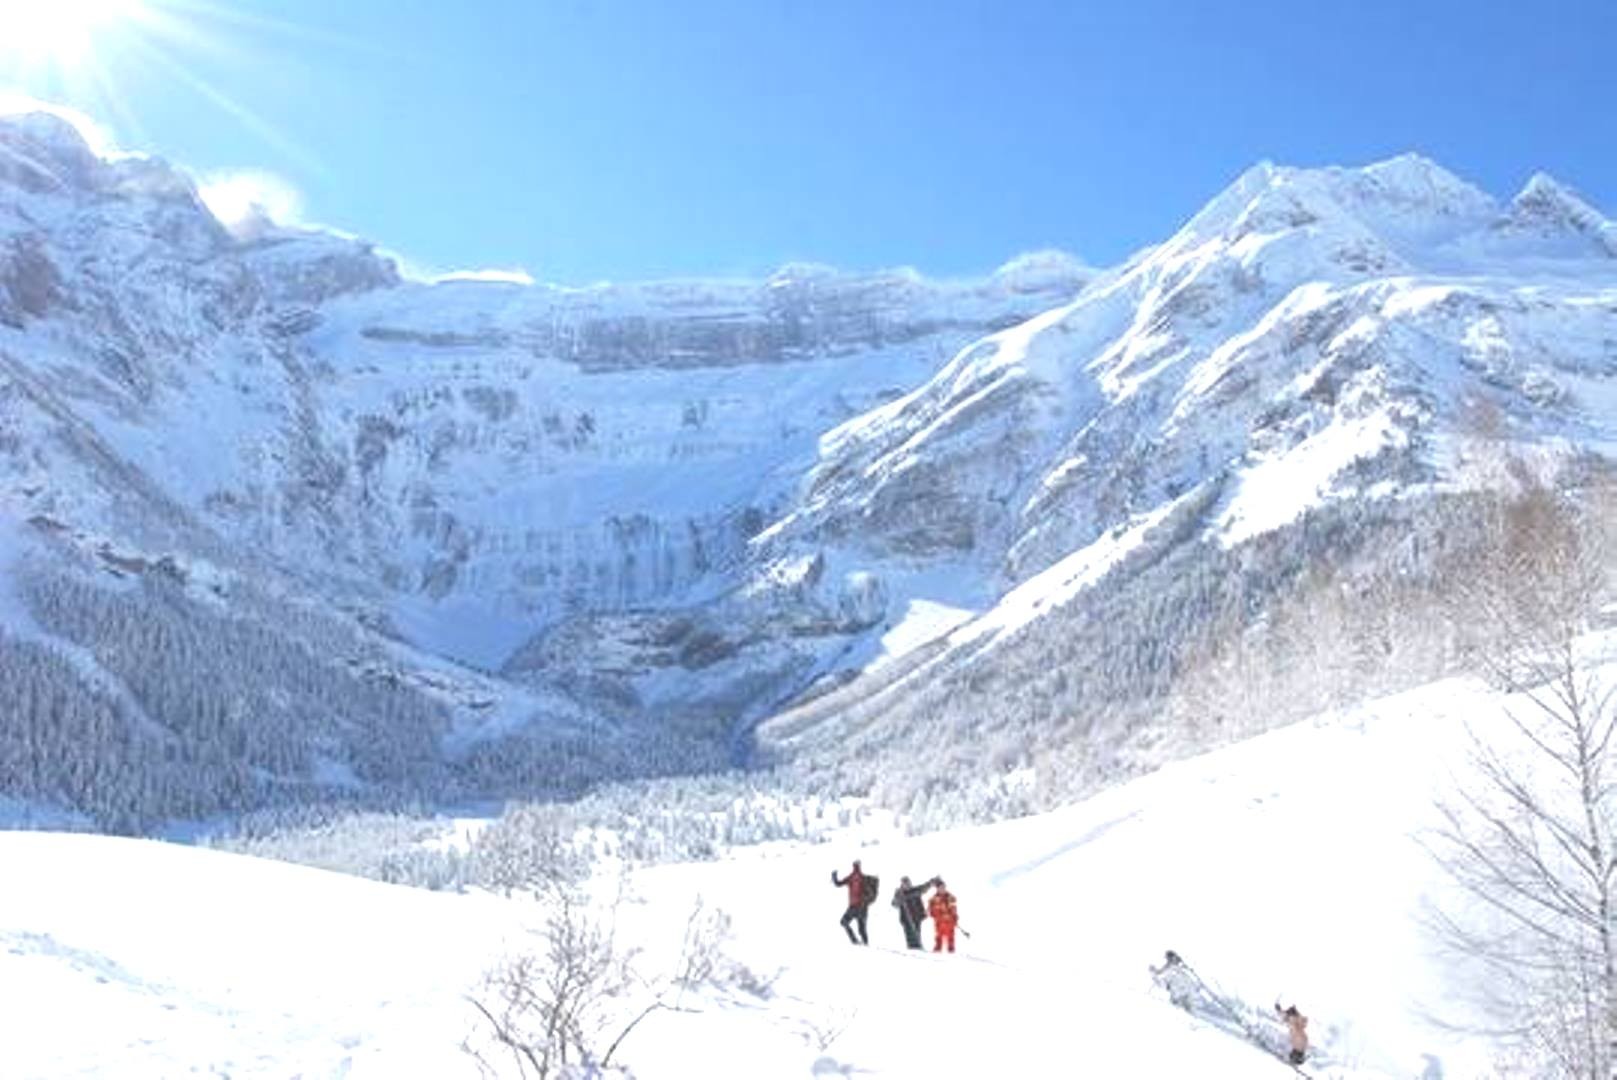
pixel 101 57
pixel 60 33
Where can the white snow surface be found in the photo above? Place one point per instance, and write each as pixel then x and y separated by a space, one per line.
pixel 1286 865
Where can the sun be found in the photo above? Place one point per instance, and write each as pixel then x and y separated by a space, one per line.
pixel 102 57
pixel 61 33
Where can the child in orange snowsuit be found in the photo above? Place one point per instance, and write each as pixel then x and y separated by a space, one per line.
pixel 944 916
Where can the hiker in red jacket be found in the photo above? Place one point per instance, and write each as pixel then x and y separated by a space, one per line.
pixel 859 899
pixel 945 916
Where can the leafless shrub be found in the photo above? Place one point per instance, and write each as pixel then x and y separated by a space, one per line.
pixel 574 1002
pixel 543 1010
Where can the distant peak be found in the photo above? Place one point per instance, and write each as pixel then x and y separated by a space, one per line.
pixel 1046 262
pixel 1544 191
pixel 1546 204
pixel 44 150
pixel 793 273
pixel 1411 169
pixel 54 127
pixel 1542 184
pixel 1414 181
pixel 1410 197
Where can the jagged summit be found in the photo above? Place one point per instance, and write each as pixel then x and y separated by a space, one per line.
pixel 1417 182
pixel 1546 207
pixel 1406 212
pixel 43 152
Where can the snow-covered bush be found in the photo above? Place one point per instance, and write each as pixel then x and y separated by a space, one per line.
pixel 400 847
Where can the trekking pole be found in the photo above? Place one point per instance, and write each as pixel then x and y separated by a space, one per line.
pixel 963 930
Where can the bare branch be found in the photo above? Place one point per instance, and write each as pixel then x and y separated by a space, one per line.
pixel 1530 838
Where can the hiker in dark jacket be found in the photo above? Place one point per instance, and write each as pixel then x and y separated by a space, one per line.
pixel 858 902
pixel 911 909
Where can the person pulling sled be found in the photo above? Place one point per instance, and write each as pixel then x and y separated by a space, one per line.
pixel 1191 992
pixel 1297 1028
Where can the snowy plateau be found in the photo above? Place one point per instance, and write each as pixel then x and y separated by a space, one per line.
pixel 1112 594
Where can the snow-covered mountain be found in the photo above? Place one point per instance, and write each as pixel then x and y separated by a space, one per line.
pixel 1313 348
pixel 1301 323
pixel 518 452
pixel 383 479
pixel 676 508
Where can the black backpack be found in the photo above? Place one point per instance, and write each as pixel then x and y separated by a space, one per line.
pixel 869 890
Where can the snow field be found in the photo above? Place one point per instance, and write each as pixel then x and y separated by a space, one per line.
pixel 1283 866
pixel 143 959
pixel 1286 865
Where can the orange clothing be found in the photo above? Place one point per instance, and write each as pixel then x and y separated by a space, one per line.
pixel 942 934
pixel 942 909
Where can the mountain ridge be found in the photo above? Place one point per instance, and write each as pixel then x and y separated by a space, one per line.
pixel 634 521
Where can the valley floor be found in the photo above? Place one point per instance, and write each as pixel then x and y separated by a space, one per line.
pixel 1287 865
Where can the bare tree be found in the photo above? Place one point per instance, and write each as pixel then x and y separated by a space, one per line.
pixel 1530 837
pixel 541 1010
pixel 575 1002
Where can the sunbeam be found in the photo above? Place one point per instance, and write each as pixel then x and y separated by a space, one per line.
pixel 175 67
pixel 93 53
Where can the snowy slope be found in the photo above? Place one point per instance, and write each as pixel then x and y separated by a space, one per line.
pixel 1285 865
pixel 1304 322
pixel 1311 340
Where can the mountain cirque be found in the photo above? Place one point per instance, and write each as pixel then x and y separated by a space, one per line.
pixel 679 505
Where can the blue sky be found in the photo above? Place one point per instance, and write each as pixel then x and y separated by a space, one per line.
pixel 620 139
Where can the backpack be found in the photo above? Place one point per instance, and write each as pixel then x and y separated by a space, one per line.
pixel 869 890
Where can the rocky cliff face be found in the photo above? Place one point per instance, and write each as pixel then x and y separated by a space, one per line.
pixel 476 460
pixel 689 501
